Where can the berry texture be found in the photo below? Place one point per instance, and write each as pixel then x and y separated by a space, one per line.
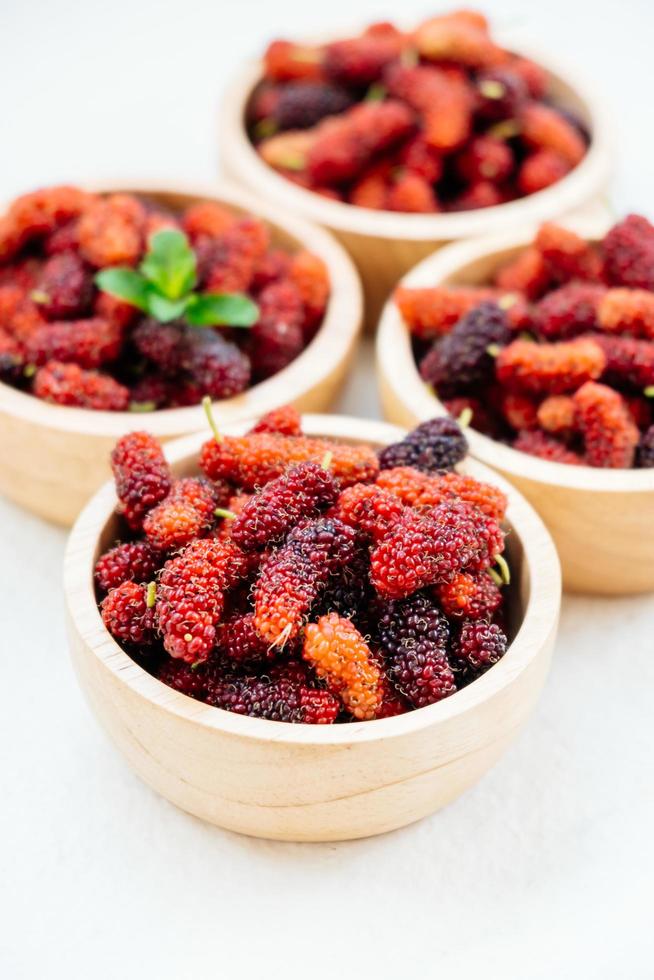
pixel 549 369
pixel 429 548
pixel 273 700
pixel 433 446
pixel 142 476
pixel 539 443
pixel 191 596
pixel 340 655
pixel 69 384
pixel 628 253
pixel 304 491
pixel 418 490
pixel 469 597
pixel 127 615
pixel 603 418
pixel 414 636
pixel 134 561
pixel 463 358
pixel 480 645
pixel 187 512
pixel 293 577
pixel 255 459
pixel 284 421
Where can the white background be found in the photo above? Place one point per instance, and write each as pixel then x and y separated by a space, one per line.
pixel 543 870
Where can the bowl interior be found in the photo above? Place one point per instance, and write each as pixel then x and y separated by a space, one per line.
pixel 577 187
pixel 326 352
pixel 534 581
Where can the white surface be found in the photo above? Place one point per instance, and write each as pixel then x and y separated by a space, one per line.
pixel 546 868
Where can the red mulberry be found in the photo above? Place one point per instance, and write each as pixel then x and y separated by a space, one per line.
pixel 65 287
pixel 252 460
pixel 284 421
pixel 627 311
pixel 142 476
pixel 538 443
pixel 431 312
pixel 303 491
pixel 340 655
pixel 469 597
pixel 191 596
pixel 128 615
pixel 134 561
pixel 69 384
pixel 549 369
pixel 628 253
pixel 292 578
pixel 568 311
pixel 604 420
pixel 186 513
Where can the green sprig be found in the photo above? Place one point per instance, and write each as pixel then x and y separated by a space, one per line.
pixel 163 286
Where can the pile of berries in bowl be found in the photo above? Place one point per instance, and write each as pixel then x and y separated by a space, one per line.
pixel 555 355
pixel 308 580
pixel 440 118
pixel 115 302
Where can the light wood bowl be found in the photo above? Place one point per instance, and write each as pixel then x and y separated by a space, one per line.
pixel 304 782
pixel 385 245
pixel 602 521
pixel 54 457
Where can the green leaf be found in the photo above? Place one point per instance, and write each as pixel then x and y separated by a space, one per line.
pixel 221 310
pixel 170 263
pixel 163 309
pixel 125 283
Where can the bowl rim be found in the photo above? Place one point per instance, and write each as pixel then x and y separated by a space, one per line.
pixel 539 622
pixel 333 341
pixel 583 182
pixel 398 369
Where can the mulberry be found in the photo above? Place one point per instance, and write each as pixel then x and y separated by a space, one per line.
pixel 414 636
pixel 480 644
pixel 604 420
pixel 432 447
pixel 549 369
pixel 252 460
pixel 142 476
pixel 461 360
pixel 303 491
pixel 134 561
pixel 628 253
pixel 128 614
pixel 340 655
pixel 186 513
pixel 69 384
pixel 292 578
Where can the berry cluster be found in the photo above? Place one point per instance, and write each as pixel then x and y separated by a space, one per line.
pixel 304 580
pixel 555 356
pixel 68 339
pixel 436 119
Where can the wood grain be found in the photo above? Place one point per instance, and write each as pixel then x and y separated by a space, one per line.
pixel 303 782
pixel 55 457
pixel 385 245
pixel 602 521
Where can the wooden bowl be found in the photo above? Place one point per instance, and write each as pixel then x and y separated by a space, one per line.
pixel 602 521
pixel 384 244
pixel 306 782
pixel 55 457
